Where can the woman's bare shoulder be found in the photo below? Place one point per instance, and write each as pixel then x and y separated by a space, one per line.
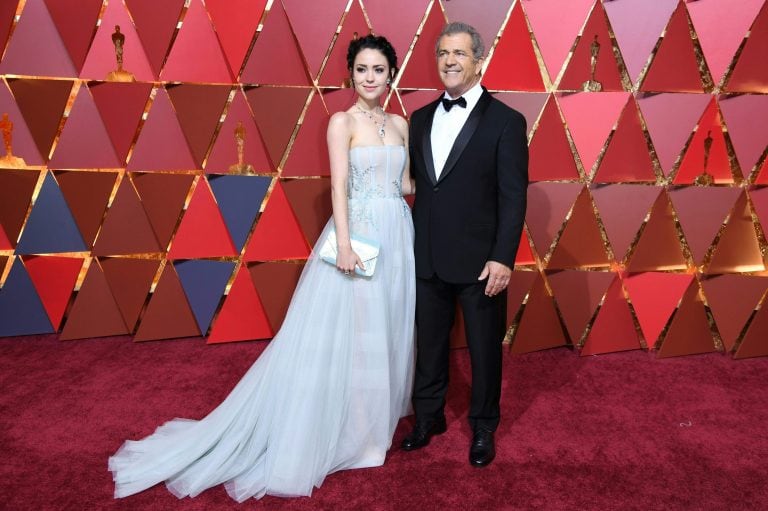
pixel 398 120
pixel 341 118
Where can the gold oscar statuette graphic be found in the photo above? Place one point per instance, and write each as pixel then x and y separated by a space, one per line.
pixel 593 85
pixel 240 167
pixel 119 74
pixel 9 161
pixel 705 178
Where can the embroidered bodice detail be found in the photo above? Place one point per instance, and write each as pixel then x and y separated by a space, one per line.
pixel 375 172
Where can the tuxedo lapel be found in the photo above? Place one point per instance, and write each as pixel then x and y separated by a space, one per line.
pixel 465 134
pixel 426 143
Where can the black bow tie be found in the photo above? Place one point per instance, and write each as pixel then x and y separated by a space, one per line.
pixel 448 103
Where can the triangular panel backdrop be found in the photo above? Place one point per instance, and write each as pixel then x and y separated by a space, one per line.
pixel 168 170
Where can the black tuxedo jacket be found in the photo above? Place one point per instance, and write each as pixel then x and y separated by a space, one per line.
pixel 475 211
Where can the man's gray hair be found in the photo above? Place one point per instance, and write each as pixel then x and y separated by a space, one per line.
pixel 458 27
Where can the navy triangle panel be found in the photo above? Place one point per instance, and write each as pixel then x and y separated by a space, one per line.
pixel 21 310
pixel 51 228
pixel 239 199
pixel 204 283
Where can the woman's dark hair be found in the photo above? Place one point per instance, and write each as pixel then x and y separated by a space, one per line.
pixel 372 42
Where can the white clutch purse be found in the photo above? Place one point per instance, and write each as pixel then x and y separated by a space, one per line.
pixel 367 249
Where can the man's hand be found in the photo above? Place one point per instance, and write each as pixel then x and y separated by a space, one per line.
pixel 498 277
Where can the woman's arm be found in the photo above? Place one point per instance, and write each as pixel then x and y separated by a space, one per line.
pixel 407 184
pixel 339 138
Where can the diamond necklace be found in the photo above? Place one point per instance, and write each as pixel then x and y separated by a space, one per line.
pixel 381 125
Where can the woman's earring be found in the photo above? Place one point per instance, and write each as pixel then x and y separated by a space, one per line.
pixel 389 80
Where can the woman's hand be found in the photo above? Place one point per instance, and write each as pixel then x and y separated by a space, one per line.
pixel 347 259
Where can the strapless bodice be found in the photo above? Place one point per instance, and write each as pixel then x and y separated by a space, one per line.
pixel 375 171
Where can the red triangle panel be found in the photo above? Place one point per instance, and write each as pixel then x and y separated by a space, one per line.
pixel 335 72
pixel 421 69
pixel 550 152
pixel 235 22
pixel 54 279
pixel 655 297
pixel 275 57
pixel 242 316
pixel 84 142
pixel 202 232
pixel 594 37
pixel 613 329
pixel 674 68
pixel 277 234
pixel 196 55
pixel 101 60
pixel 161 144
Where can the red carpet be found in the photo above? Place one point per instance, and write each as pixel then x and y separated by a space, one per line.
pixel 620 431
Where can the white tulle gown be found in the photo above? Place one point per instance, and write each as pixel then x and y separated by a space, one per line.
pixel 328 391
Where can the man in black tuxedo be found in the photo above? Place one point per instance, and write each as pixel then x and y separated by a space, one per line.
pixel 469 157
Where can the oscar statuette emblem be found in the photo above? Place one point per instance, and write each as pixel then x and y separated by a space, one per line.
pixel 240 167
pixel 119 74
pixel 705 178
pixel 593 85
pixel 9 161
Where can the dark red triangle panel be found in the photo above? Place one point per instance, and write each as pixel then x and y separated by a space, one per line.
pixel 310 200
pixel 87 194
pixel 275 283
pixel 156 24
pixel 94 313
pixel 42 104
pixel 126 229
pixel 199 108
pixel 16 187
pixel 168 314
pixel 76 23
pixel 130 280
pixel 163 197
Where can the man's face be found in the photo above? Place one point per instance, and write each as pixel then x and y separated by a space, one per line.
pixel 458 69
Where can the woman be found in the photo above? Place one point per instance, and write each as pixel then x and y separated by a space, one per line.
pixel 328 391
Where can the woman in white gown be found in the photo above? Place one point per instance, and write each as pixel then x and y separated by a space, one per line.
pixel 328 391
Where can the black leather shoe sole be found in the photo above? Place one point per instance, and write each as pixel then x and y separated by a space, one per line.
pixel 420 437
pixel 481 460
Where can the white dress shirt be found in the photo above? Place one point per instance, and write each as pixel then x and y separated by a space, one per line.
pixel 446 126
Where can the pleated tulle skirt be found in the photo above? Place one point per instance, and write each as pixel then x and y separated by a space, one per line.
pixel 325 395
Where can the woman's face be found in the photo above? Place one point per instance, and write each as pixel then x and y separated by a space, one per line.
pixel 370 73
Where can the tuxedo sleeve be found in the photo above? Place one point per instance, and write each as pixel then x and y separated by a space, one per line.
pixel 412 138
pixel 512 178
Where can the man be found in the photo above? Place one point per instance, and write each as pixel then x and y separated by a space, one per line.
pixel 469 156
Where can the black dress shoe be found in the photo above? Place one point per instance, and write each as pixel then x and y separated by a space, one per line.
pixel 482 451
pixel 422 432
